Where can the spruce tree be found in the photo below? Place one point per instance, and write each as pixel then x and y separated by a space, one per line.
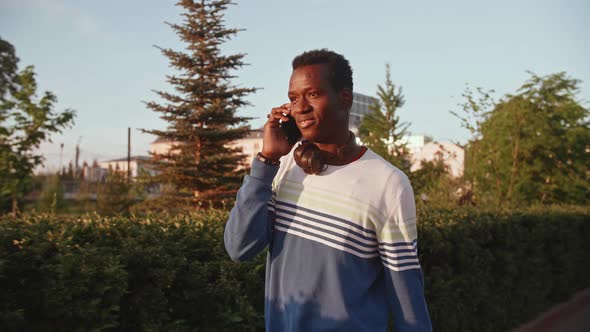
pixel 381 129
pixel 201 113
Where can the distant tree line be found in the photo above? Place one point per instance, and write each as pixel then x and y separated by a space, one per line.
pixel 531 147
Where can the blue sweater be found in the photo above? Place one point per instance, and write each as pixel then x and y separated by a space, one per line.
pixel 341 246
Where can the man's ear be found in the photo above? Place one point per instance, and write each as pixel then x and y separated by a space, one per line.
pixel 346 98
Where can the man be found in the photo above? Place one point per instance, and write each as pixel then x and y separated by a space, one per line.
pixel 339 221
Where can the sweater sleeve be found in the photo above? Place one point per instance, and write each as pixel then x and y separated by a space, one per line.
pixel 403 275
pixel 248 229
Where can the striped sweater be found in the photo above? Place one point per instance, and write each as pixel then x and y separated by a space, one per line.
pixel 341 246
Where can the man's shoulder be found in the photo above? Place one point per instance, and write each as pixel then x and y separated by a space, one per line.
pixel 369 170
pixel 376 166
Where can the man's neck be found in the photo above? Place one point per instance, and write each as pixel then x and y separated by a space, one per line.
pixel 332 146
pixel 342 152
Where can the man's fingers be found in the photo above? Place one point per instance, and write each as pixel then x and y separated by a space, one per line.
pixel 278 113
pixel 274 120
pixel 272 117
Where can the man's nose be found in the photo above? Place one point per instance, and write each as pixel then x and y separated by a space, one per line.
pixel 301 106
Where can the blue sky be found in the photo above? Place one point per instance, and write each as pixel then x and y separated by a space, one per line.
pixel 98 56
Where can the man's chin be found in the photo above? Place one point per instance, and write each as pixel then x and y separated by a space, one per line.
pixel 315 136
pixel 309 135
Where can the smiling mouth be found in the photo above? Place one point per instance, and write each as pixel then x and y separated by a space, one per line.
pixel 305 123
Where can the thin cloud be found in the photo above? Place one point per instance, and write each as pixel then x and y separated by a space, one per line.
pixel 60 11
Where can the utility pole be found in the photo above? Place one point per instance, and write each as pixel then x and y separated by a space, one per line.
pixel 77 157
pixel 61 155
pixel 128 154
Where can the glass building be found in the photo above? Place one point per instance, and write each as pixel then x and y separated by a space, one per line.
pixel 360 107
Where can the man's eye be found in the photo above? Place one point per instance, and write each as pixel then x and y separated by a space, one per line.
pixel 312 94
pixel 292 99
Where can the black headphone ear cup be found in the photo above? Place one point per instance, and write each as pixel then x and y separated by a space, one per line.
pixel 297 154
pixel 309 157
pixel 301 155
pixel 315 162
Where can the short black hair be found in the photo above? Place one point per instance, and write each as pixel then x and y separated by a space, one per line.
pixel 340 71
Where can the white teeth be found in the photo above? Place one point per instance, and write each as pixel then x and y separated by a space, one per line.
pixel 306 123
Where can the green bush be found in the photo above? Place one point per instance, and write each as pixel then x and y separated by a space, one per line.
pixel 484 271
pixel 492 271
pixel 150 274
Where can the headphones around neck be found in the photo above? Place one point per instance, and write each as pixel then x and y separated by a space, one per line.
pixel 313 161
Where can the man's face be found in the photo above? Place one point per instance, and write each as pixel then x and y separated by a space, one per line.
pixel 320 112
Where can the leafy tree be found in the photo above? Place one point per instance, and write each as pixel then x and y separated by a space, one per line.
pixel 475 109
pixel 24 124
pixel 8 69
pixel 532 146
pixel 201 114
pixel 381 130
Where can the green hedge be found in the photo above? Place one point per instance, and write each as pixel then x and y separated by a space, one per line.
pixel 150 274
pixel 489 271
pixel 484 271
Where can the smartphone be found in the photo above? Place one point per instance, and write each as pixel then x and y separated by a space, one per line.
pixel 291 131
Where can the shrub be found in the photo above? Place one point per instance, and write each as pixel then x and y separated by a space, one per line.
pixel 98 273
pixel 492 271
pixel 484 270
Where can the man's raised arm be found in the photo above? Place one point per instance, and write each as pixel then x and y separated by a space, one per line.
pixel 249 227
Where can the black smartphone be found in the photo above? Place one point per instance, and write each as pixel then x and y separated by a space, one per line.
pixel 291 131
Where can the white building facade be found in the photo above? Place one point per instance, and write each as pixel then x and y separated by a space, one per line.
pixel 452 155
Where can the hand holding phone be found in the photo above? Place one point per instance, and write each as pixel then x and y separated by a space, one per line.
pixel 291 130
pixel 280 132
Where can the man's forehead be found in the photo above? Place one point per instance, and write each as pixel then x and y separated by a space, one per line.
pixel 318 67
pixel 310 72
